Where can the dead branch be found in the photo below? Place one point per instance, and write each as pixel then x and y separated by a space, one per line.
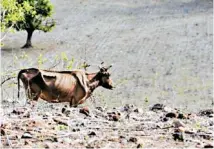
pixel 54 65
pixel 59 121
pixel 7 79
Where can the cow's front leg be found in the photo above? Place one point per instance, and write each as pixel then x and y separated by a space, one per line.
pixel 34 101
pixel 84 98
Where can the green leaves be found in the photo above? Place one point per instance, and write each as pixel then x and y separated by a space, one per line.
pixel 26 14
pixel 64 56
pixel 27 7
pixel 11 12
pixel 41 60
pixel 70 64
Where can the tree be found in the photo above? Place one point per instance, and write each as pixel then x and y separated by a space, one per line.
pixel 11 12
pixel 37 16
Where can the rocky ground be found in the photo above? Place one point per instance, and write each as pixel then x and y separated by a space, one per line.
pixel 99 127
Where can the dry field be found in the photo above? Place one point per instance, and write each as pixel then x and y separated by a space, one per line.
pixel 161 51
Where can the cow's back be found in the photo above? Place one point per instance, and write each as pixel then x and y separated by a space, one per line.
pixel 62 86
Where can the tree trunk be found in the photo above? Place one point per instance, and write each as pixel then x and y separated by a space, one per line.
pixel 29 36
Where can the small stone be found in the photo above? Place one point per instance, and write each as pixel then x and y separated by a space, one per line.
pixel 2 132
pixel 208 146
pixel 74 130
pixel 55 139
pixel 89 146
pixel 82 124
pixel 198 145
pixel 136 110
pixel 100 109
pixel 211 116
pixel 85 111
pixel 205 136
pixel 18 111
pixel 26 142
pixel 171 115
pixel 211 123
pixel 26 135
pixel 140 146
pixel 127 107
pixel 92 133
pixel 165 119
pixel 182 116
pixel 206 112
pixel 122 137
pixel 157 107
pixel 45 117
pixel 116 117
pixel 67 112
pixel 133 139
pixel 63 109
pixel 46 145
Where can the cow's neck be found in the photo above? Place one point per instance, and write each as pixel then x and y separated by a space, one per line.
pixel 94 85
pixel 94 81
pixel 91 77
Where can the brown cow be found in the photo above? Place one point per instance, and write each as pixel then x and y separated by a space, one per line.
pixel 63 86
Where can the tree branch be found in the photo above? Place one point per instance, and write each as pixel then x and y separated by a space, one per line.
pixel 7 80
pixel 2 38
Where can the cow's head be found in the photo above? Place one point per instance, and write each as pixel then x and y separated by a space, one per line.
pixel 104 77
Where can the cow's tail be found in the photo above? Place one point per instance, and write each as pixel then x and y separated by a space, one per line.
pixel 18 79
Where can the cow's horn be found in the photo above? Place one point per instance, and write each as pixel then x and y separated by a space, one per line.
pixel 109 67
pixel 101 65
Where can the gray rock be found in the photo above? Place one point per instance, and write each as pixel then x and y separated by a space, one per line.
pixel 27 135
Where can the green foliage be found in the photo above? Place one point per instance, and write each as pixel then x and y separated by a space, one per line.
pixel 36 15
pixel 146 100
pixel 26 15
pixel 24 55
pixel 61 127
pixel 70 64
pixel 67 63
pixel 11 13
pixel 41 60
pixel 64 56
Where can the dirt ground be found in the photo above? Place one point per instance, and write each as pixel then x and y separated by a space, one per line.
pixel 101 127
pixel 161 51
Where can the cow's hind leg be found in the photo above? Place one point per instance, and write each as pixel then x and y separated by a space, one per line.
pixel 73 103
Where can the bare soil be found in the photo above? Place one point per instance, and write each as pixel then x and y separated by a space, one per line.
pixel 99 127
